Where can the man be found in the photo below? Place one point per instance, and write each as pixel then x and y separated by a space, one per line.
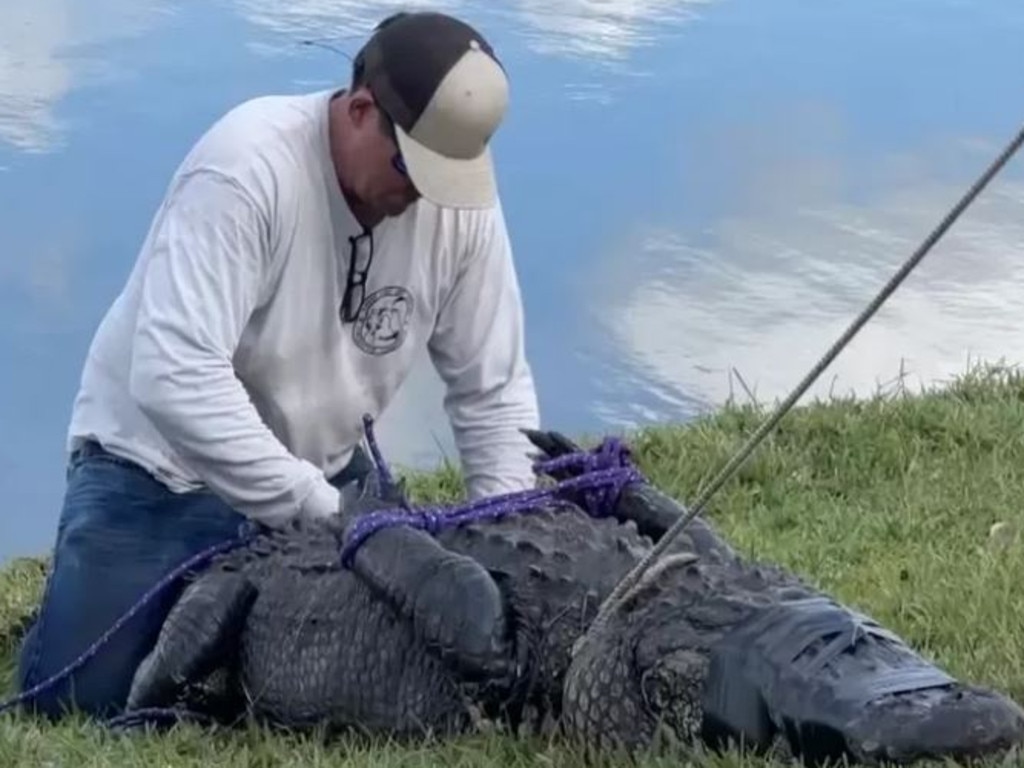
pixel 306 248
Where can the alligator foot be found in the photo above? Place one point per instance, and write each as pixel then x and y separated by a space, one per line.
pixel 158 720
pixel 198 637
pixel 837 685
pixel 454 604
pixel 652 511
pixel 655 512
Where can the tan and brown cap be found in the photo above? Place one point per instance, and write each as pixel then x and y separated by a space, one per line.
pixel 441 84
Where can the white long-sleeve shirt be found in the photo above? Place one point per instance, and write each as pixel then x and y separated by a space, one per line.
pixel 224 363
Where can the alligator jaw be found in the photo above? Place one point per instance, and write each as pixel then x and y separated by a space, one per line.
pixel 725 654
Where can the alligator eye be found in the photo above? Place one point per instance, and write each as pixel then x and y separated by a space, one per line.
pixel 654 690
pixel 671 689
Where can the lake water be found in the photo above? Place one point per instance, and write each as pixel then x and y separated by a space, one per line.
pixel 697 192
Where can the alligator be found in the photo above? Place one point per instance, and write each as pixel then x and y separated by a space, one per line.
pixel 489 622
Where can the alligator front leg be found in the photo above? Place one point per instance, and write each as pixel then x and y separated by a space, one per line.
pixel 655 512
pixel 199 636
pixel 454 604
pixel 652 511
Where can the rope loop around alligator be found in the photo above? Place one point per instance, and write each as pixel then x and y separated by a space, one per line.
pixel 601 475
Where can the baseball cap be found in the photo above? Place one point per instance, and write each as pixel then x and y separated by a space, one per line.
pixel 441 84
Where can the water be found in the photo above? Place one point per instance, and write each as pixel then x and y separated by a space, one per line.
pixel 699 193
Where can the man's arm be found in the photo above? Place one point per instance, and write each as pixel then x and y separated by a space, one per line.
pixel 478 350
pixel 211 257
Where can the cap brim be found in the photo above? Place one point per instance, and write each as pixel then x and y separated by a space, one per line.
pixel 449 182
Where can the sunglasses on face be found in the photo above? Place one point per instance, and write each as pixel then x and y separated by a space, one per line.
pixel 399 164
pixel 397 161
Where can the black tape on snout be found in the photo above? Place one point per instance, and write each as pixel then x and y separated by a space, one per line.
pixel 758 685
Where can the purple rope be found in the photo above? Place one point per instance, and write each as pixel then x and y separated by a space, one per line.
pixel 386 478
pixel 603 473
pixel 599 499
pixel 196 560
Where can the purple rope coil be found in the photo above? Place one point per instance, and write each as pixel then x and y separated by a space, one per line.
pixel 601 475
pixel 600 497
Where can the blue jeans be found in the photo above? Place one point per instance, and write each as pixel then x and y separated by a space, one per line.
pixel 120 532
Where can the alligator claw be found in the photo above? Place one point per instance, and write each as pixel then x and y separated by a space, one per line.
pixel 551 442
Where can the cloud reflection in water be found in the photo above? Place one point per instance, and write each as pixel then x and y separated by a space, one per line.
pixel 44 55
pixel 768 294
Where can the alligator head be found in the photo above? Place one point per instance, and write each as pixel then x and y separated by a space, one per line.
pixel 716 653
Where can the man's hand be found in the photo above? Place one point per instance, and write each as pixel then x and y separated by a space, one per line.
pixel 358 500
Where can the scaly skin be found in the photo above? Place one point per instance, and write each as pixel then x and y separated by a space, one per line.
pixel 557 565
pixel 694 653
pixel 496 641
pixel 424 634
pixel 299 642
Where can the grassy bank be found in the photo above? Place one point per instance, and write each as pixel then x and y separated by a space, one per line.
pixel 888 503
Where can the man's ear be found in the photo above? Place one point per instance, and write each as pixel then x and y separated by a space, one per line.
pixel 360 106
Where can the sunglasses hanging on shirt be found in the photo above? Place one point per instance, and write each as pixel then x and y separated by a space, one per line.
pixel 358 269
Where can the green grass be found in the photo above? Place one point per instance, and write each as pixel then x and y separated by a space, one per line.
pixel 887 503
